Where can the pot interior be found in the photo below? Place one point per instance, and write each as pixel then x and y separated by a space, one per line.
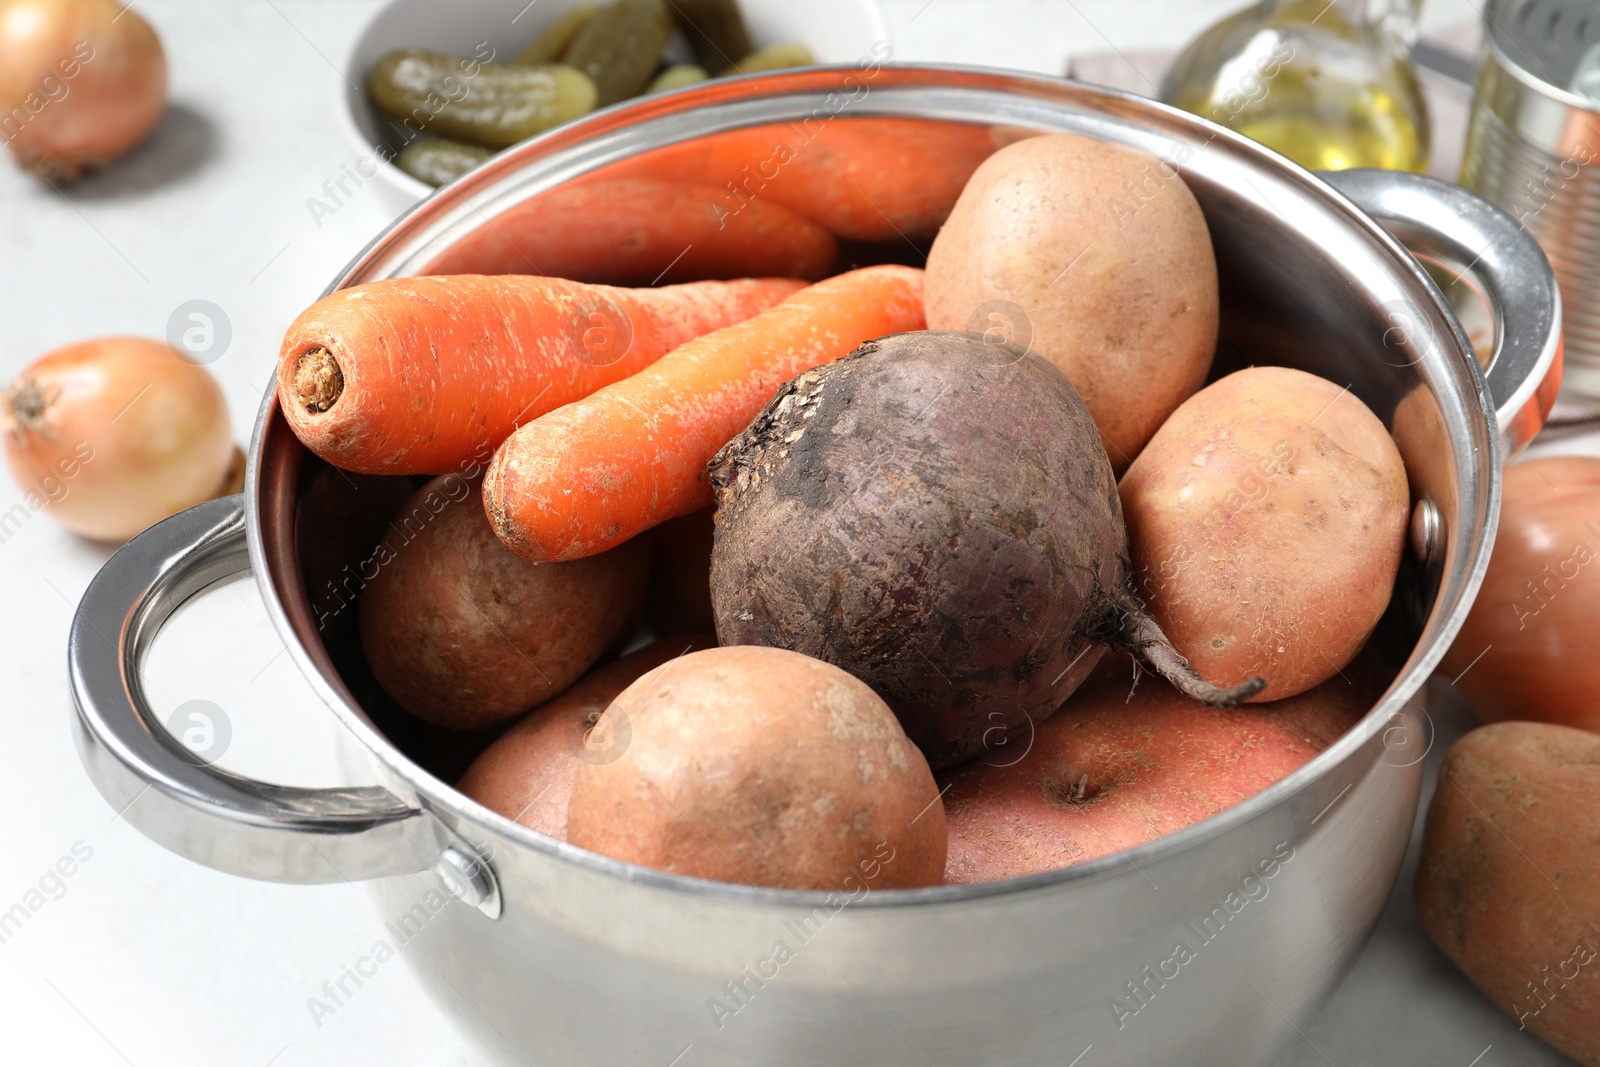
pixel 1306 281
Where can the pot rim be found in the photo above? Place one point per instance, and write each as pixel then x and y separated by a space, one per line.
pixel 552 150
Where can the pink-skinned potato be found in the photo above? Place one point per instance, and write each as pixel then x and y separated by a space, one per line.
pixel 1265 523
pixel 1097 257
pixel 765 767
pixel 1509 879
pixel 1110 771
pixel 464 633
pixel 527 774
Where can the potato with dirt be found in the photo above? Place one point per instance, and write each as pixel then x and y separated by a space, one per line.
pixel 527 774
pixel 1127 761
pixel 763 767
pixel 1266 520
pixel 1509 877
pixel 464 633
pixel 1096 256
pixel 934 514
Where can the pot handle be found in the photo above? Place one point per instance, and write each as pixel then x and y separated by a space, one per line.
pixel 225 821
pixel 1442 223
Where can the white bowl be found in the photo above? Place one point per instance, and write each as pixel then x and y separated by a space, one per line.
pixel 837 31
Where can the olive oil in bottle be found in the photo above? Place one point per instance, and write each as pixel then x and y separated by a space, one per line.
pixel 1320 81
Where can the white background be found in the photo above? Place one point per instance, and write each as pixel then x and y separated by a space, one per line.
pixel 152 961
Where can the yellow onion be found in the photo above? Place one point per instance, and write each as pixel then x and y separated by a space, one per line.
pixel 112 435
pixel 81 82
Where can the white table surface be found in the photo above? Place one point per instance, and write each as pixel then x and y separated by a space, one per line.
pixel 149 960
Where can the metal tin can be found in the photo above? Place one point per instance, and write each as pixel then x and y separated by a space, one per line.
pixel 1533 147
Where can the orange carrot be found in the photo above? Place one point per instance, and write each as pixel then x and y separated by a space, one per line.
pixel 863 178
pixel 867 179
pixel 594 473
pixel 421 375
pixel 642 232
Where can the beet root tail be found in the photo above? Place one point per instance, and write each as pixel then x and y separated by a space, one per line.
pixel 1134 631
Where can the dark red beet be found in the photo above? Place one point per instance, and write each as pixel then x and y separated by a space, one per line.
pixel 935 514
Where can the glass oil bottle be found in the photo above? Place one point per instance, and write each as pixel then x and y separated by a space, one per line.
pixel 1328 83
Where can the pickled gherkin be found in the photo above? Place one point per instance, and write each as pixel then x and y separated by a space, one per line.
pixel 438 161
pixel 620 46
pixel 715 30
pixel 557 38
pixel 776 57
pixel 677 77
pixel 491 104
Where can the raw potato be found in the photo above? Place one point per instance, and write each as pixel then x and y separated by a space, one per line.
pixel 1266 520
pixel 1509 877
pixel 1096 256
pixel 463 632
pixel 339 521
pixel 527 774
pixel 935 515
pixel 762 766
pixel 1108 771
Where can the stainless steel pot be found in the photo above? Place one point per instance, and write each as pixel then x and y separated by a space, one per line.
pixel 1207 946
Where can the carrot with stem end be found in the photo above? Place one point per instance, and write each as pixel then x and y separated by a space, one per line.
pixel 418 375
pixel 592 474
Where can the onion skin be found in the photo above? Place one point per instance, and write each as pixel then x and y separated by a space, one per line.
pixel 113 435
pixel 1530 647
pixel 81 82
